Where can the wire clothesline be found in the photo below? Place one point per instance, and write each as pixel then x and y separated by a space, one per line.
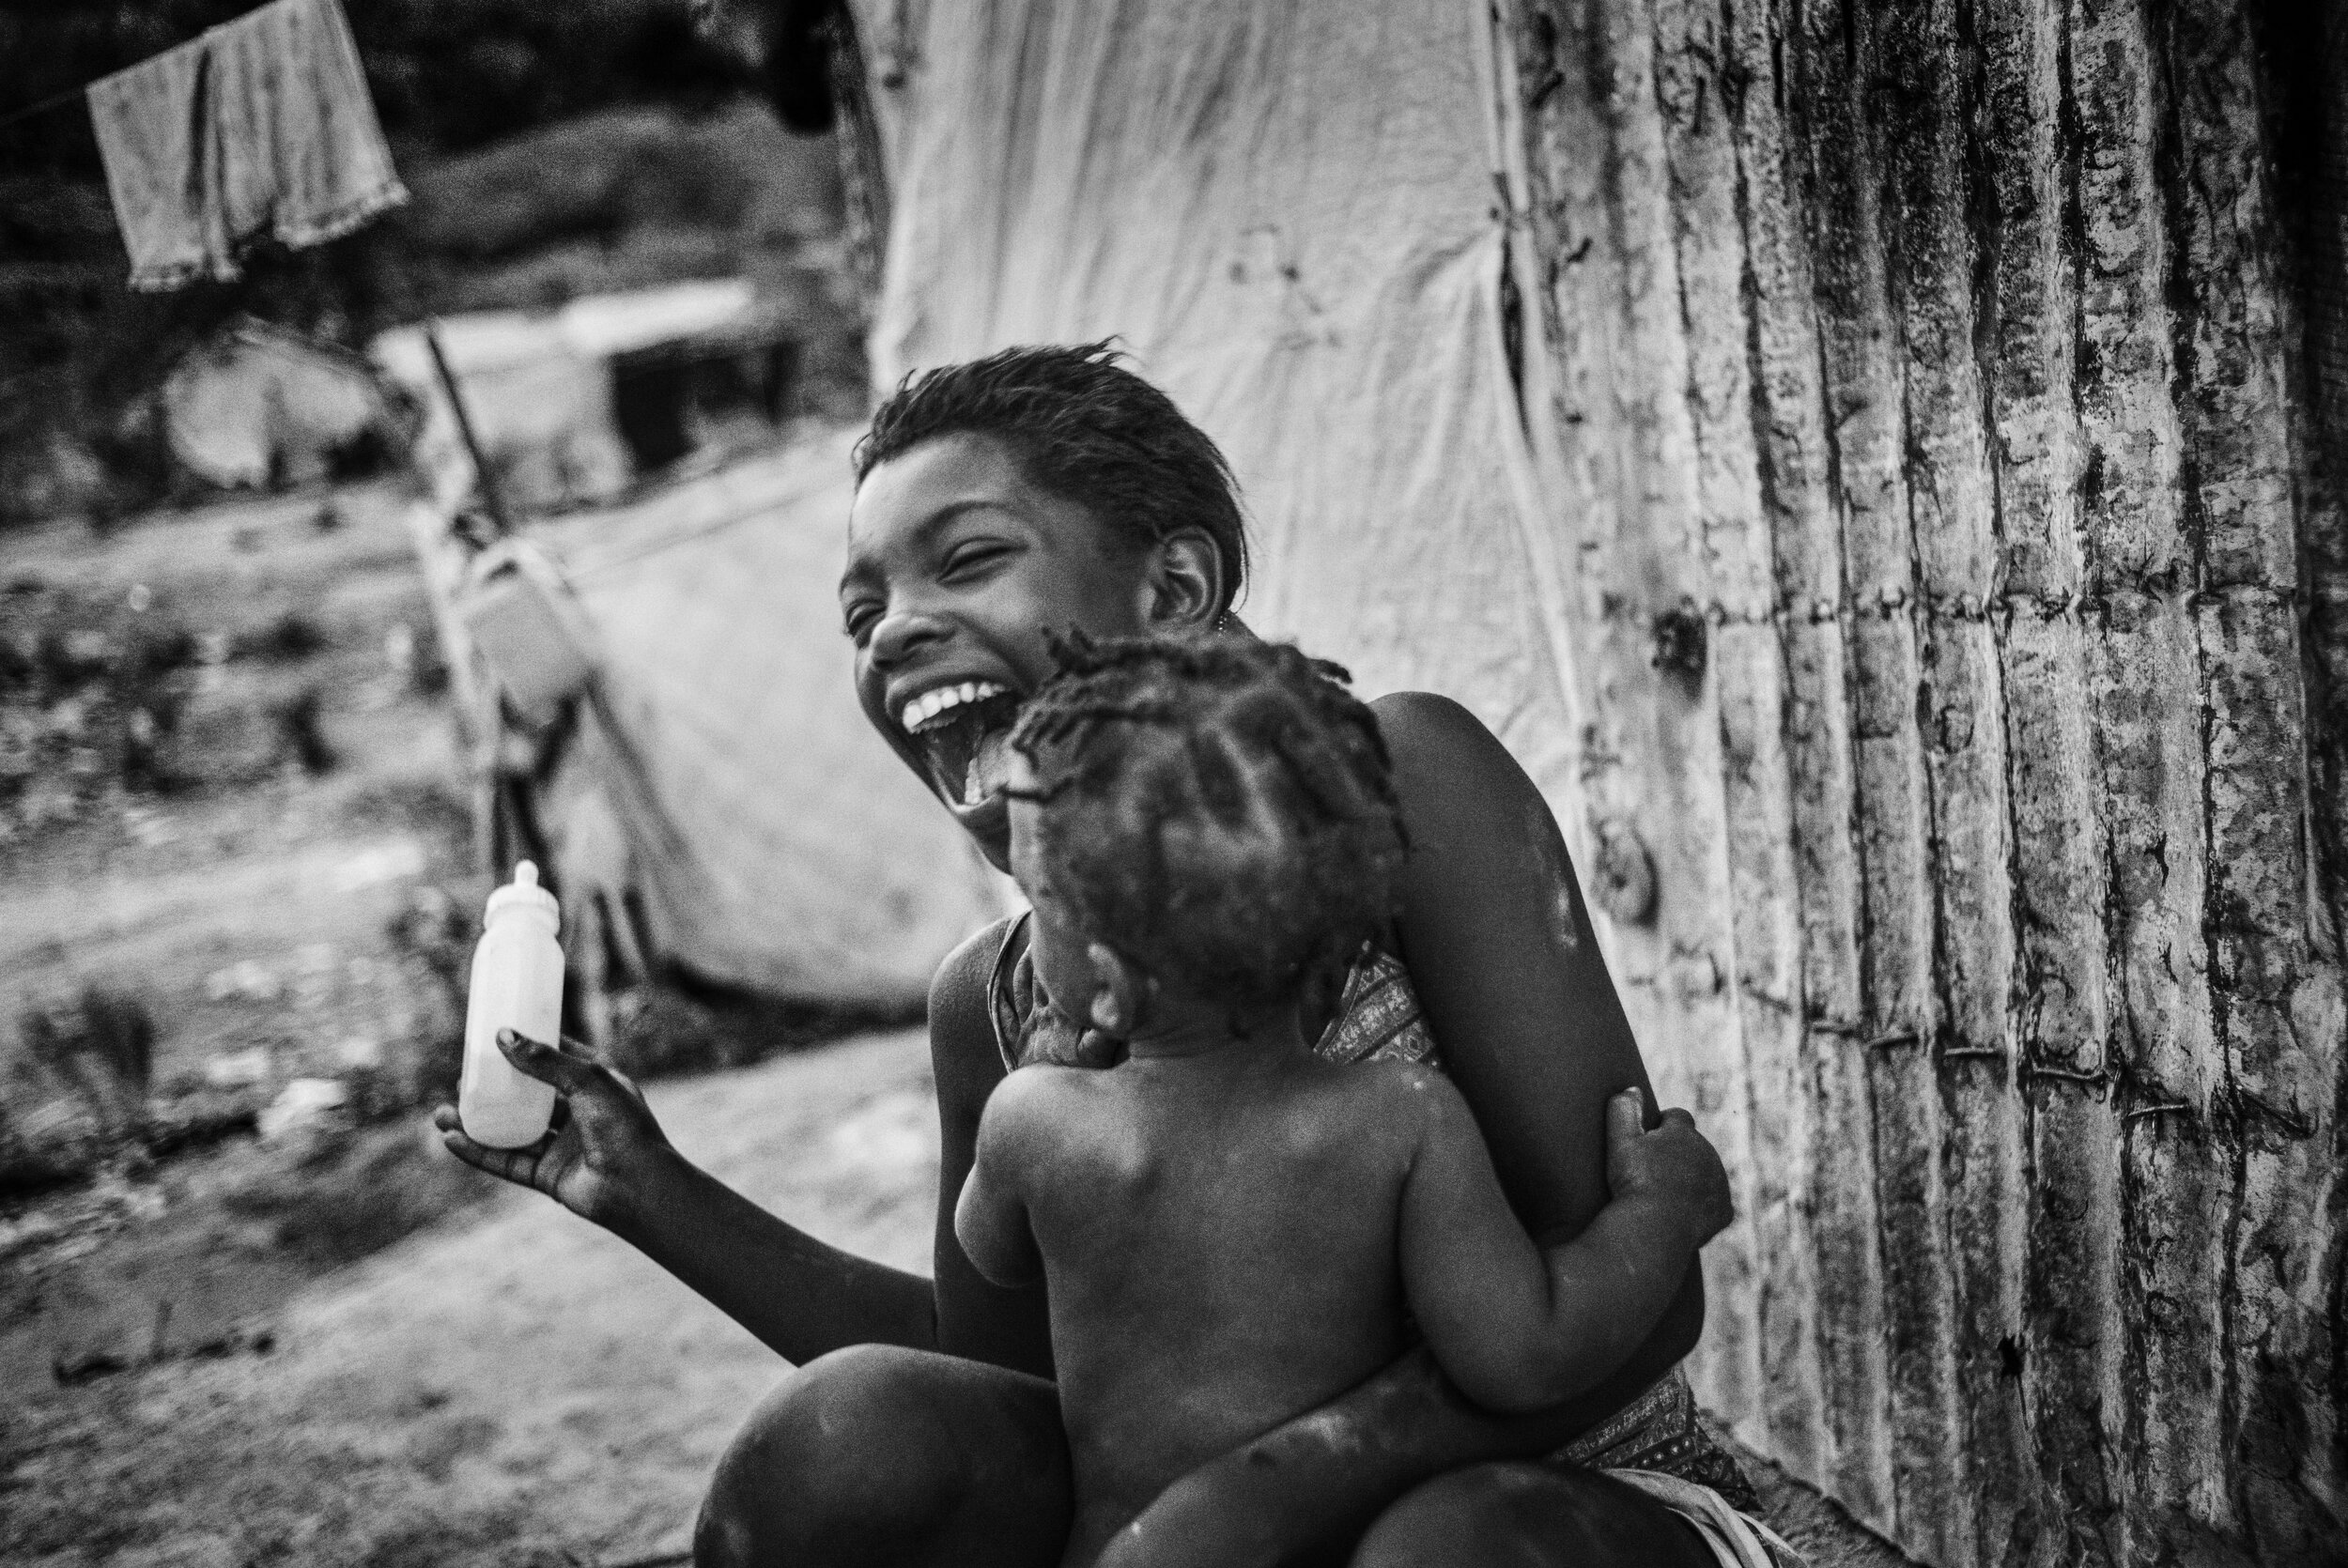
pixel 54 101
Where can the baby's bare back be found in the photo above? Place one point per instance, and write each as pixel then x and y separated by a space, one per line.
pixel 1221 1254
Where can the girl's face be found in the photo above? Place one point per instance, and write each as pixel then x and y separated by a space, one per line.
pixel 957 569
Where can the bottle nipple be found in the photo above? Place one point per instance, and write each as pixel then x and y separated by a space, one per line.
pixel 524 892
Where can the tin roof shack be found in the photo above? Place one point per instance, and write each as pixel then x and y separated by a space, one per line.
pixel 723 388
pixel 572 406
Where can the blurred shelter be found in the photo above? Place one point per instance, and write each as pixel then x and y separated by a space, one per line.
pixel 1879 471
pixel 572 406
pixel 257 406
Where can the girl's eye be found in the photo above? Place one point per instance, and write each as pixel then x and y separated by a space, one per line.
pixel 967 559
pixel 858 618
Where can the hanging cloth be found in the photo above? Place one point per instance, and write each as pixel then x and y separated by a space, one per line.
pixel 261 128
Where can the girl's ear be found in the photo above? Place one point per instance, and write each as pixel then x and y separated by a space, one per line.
pixel 1182 587
pixel 1121 992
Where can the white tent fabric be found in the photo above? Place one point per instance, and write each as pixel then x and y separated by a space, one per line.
pixel 725 784
pixel 1292 216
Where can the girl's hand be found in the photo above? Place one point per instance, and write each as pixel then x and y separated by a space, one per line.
pixel 603 1141
pixel 1673 1165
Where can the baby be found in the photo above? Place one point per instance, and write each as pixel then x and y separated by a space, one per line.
pixel 1234 1231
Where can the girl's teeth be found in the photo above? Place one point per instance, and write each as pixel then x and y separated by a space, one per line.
pixel 922 710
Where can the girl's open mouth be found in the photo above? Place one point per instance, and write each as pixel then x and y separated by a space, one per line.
pixel 966 739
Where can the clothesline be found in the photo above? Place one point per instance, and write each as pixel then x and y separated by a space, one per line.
pixel 54 101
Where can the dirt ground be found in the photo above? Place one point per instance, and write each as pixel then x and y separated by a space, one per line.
pixel 246 897
pixel 518 1389
pixel 250 884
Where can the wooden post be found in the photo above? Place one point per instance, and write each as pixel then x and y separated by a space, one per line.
pixel 489 496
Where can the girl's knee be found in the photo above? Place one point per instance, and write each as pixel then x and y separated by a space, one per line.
pixel 835 1451
pixel 1528 1515
pixel 1460 1517
pixel 880 1454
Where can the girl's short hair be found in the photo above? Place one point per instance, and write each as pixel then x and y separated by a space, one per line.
pixel 1219 811
pixel 1084 428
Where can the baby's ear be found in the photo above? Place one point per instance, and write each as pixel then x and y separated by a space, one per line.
pixel 1121 991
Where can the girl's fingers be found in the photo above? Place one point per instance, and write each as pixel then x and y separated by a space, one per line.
pixel 519 1166
pixel 480 1157
pixel 567 1072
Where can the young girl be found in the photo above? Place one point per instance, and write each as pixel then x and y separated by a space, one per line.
pixel 1043 490
pixel 1232 1228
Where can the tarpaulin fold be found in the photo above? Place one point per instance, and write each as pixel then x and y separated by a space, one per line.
pixel 724 786
pixel 1295 217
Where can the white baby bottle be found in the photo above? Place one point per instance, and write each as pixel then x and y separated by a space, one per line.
pixel 516 984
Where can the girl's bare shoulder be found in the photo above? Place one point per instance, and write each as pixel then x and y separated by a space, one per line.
pixel 1444 760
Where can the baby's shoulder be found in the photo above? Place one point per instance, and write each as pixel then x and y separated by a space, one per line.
pixel 1398 1079
pixel 1035 1092
pixel 1043 1102
pixel 1401 1097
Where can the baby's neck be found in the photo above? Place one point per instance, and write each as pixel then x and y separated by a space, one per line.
pixel 1185 1028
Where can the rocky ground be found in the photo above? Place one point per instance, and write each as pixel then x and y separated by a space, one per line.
pixel 235 849
pixel 517 1388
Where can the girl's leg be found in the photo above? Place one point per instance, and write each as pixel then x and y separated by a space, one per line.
pixel 892 1458
pixel 1529 1516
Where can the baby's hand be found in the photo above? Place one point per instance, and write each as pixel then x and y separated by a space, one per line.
pixel 1675 1165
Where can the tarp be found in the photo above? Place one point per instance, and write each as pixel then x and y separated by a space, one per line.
pixel 1294 216
pixel 724 784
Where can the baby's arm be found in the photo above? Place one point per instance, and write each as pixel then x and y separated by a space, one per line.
pixel 991 1216
pixel 1517 1328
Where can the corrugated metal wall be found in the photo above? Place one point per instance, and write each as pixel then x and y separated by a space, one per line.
pixel 1952 575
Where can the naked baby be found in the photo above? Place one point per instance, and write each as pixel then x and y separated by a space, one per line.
pixel 1234 1231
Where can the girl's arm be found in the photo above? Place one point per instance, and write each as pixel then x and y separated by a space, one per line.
pixel 1500 950
pixel 610 1163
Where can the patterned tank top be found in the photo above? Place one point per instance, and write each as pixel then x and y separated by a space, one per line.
pixel 1378 1019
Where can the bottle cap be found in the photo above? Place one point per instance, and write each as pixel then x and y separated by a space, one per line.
pixel 524 892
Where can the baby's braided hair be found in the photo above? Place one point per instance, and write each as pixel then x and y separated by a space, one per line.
pixel 1218 811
